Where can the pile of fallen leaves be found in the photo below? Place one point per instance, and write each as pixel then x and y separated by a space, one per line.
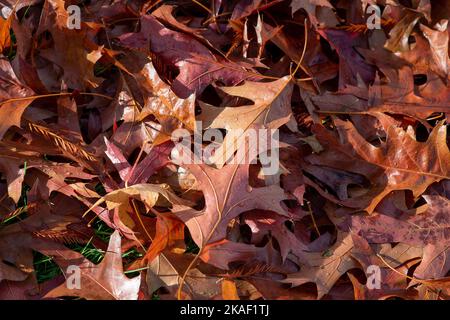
pixel 359 207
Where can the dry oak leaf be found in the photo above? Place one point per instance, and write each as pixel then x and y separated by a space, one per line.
pixel 227 194
pixel 403 162
pixel 73 51
pixel 105 281
pixel 197 65
pixel 418 166
pixel 149 194
pixel 271 108
pixel 171 111
pixel 439 41
pixel 11 112
pixel 53 177
pixel 397 95
pixel 5 26
pixel 429 229
pixel 262 223
pixel 167 13
pixel 326 268
pixel 353 69
pixel 169 231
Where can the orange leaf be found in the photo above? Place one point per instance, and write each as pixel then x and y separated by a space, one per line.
pixel 5 37
pixel 229 290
